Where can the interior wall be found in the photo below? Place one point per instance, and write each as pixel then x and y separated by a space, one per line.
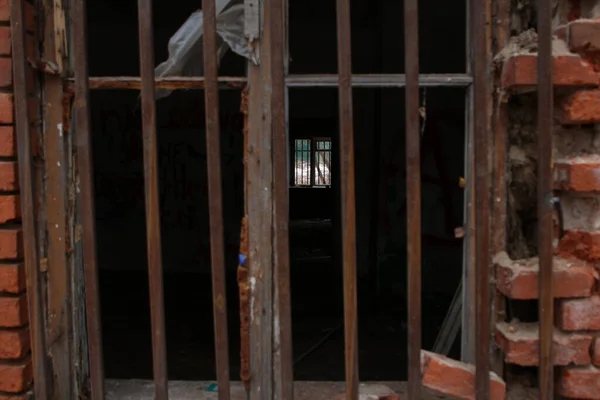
pixel 379 139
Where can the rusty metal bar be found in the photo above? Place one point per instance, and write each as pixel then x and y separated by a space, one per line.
pixel 155 271
pixel 413 195
pixel 171 83
pixel 215 198
pixel 283 369
pixel 380 80
pixel 348 194
pixel 545 195
pixel 298 81
pixel 482 200
pixel 86 186
pixel 30 247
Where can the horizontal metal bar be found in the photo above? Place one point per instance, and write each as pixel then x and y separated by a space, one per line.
pixel 316 80
pixel 171 83
pixel 379 80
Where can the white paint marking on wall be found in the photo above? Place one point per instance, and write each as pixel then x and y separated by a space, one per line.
pixel 252 295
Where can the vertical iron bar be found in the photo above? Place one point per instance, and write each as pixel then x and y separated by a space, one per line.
pixel 413 194
pixel 34 289
pixel 482 199
pixel 215 197
pixel 155 271
pixel 283 337
pixel 86 185
pixel 545 229
pixel 312 163
pixel 348 194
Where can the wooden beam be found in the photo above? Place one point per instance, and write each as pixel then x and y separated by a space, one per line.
pixel 59 289
pixel 260 201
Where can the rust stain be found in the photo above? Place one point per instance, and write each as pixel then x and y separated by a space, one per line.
pixel 44 265
pixel 220 303
pixel 67 98
pixel 242 275
pixel 244 289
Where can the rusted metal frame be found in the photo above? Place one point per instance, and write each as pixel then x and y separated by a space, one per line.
pixel 282 314
pixel 380 80
pixel 482 198
pixel 260 215
pixel 413 195
pixel 348 193
pixel 30 246
pixel 544 200
pixel 59 279
pixel 469 244
pixel 215 197
pixel 501 34
pixel 291 81
pixel 155 268
pixel 86 187
pixel 171 83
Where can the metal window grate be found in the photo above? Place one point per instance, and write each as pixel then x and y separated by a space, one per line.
pixel 272 369
pixel 312 162
pixel 302 162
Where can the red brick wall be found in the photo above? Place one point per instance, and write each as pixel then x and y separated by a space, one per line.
pixel 15 361
pixel 577 184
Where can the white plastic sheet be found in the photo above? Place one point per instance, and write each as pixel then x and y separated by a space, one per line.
pixel 185 46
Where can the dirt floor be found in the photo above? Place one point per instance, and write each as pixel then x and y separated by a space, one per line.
pixel 143 390
pixel 317 312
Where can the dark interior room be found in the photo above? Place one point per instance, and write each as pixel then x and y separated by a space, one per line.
pixel 314 193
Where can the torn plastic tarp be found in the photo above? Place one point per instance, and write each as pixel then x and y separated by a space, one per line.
pixel 185 46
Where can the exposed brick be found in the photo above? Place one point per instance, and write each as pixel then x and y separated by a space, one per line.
pixel 5 41
pixel 11 244
pixel 8 144
pixel 584 245
pixel 579 314
pixel 6 72
pixel 580 174
pixel 579 383
pixel 519 279
pixel 454 378
pixel 29 13
pixel 27 396
pixel 9 177
pixel 584 35
pixel 6 108
pixel 14 344
pixel 596 352
pixel 561 32
pixel 31 45
pixel 10 208
pixel 581 107
pixel 367 395
pixel 12 278
pixel 13 311
pixel 15 378
pixel 520 72
pixel 520 344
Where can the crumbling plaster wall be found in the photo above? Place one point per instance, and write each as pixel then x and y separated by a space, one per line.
pixel 576 161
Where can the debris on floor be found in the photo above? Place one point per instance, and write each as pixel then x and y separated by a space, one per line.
pixel 454 378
